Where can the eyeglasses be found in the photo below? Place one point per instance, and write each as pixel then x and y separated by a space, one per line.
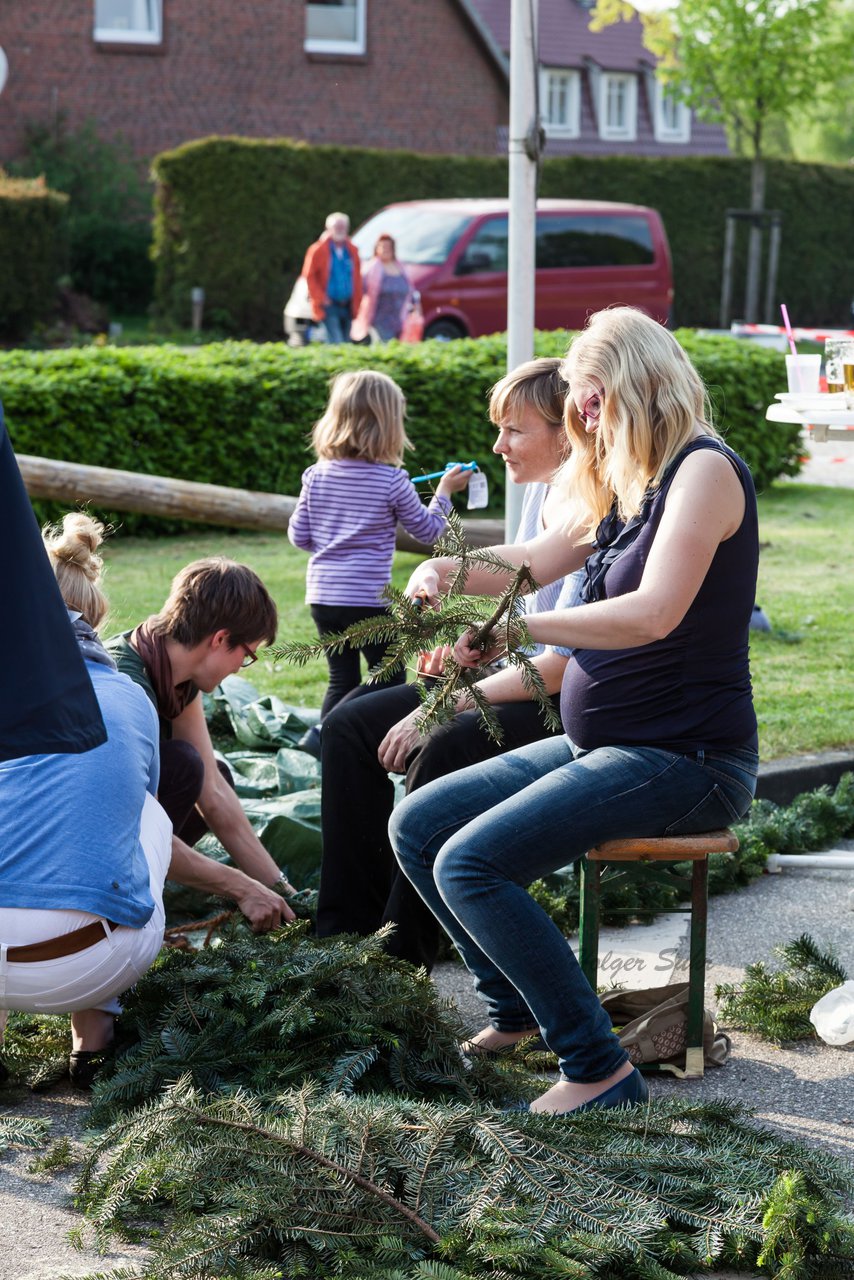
pixel 250 656
pixel 592 408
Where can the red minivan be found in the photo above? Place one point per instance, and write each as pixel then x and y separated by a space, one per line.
pixel 590 254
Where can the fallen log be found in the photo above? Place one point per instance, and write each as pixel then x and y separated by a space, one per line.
pixel 172 499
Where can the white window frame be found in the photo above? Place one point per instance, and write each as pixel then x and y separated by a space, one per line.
pixel 665 132
pixel 571 126
pixel 313 44
pixel 118 35
pixel 628 132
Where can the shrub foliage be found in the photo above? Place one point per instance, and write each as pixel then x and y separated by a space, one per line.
pixel 239 414
pixel 236 215
pixel 33 249
pixel 109 229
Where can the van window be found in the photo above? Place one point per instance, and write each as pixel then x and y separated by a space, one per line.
pixel 423 237
pixel 487 249
pixel 588 240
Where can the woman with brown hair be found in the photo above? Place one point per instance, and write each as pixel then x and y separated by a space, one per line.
pixel 387 294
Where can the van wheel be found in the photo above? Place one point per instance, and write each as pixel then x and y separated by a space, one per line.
pixel 444 330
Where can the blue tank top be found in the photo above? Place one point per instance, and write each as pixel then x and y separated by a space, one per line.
pixel 691 690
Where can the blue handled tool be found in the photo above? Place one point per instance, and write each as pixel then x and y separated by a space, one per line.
pixel 435 475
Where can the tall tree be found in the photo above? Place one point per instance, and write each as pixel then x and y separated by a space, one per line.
pixel 743 63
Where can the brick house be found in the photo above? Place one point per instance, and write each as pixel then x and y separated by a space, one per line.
pixel 419 74
pixel 425 75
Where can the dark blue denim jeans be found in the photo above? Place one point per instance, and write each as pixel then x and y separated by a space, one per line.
pixel 338 319
pixel 472 841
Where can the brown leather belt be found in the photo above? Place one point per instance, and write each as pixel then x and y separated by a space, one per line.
pixel 67 945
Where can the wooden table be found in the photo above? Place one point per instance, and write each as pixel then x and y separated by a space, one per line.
pixel 823 424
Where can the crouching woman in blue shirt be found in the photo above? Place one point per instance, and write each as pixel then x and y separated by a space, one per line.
pixel 84 845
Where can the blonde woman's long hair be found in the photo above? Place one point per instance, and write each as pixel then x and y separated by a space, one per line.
pixel 72 548
pixel 653 401
pixel 363 419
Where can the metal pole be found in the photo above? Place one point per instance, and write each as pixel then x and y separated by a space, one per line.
pixel 773 264
pixel 726 282
pixel 523 207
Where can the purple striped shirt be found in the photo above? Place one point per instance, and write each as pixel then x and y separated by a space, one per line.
pixel 346 516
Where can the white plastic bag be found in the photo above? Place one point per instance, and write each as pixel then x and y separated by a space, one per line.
pixel 833 1015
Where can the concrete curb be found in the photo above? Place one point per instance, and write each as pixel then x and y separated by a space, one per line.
pixel 782 780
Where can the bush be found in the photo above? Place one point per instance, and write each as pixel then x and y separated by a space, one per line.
pixel 236 215
pixel 33 249
pixel 109 226
pixel 237 414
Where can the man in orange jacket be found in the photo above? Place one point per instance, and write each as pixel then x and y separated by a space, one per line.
pixel 334 278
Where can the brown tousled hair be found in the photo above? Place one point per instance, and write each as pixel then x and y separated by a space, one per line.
pixel 213 595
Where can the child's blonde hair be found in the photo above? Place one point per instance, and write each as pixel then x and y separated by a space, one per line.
pixel 73 551
pixel 363 419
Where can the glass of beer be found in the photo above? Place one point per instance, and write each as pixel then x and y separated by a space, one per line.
pixel 834 371
pixel 848 372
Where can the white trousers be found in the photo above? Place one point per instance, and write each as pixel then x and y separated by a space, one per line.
pixel 90 979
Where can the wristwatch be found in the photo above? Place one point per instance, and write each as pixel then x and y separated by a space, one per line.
pixel 283 885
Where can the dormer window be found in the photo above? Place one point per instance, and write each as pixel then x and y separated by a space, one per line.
pixel 618 106
pixel 336 26
pixel 129 21
pixel 560 102
pixel 672 117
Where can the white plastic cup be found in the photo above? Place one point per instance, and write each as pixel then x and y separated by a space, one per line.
pixel 803 373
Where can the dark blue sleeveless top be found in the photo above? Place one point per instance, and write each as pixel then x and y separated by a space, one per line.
pixel 690 690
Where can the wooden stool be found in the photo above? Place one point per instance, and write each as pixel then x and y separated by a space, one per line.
pixel 694 849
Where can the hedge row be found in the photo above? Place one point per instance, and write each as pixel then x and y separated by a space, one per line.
pixel 236 215
pixel 33 252
pixel 239 414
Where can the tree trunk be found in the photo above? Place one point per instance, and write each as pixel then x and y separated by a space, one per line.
pixel 754 245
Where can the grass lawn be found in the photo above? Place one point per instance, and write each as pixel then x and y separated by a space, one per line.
pixel 802 671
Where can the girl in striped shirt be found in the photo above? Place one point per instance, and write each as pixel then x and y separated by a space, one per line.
pixel 350 503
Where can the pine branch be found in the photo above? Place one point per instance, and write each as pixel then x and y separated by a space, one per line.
pixel 350 1175
pixel 409 629
pixel 776 1005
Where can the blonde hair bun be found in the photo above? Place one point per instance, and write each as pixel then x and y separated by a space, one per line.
pixel 73 551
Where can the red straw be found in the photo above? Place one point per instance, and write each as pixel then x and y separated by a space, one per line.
pixel 788 327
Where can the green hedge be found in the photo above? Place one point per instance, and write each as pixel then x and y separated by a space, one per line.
pixel 33 250
pixel 238 414
pixel 235 215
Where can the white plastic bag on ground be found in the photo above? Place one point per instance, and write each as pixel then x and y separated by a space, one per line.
pixel 833 1015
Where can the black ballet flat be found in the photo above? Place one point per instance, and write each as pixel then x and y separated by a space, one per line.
pixel 84 1065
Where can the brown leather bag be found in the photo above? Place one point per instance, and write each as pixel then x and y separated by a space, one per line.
pixel 652 1024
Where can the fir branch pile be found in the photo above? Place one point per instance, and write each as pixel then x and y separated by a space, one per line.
pixel 315 1184
pixel 294 1107
pixel 267 1013
pixel 776 1004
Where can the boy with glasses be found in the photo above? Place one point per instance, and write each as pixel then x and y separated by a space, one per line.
pixel 217 615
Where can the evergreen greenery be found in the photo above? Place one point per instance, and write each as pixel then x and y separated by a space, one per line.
pixel 239 414
pixel 321 1184
pixel 269 1013
pixel 285 1106
pixel 21 1131
pixel 776 1004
